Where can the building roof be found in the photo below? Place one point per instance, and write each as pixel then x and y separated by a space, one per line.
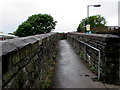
pixel 7 35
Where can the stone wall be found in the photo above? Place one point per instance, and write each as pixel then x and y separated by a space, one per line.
pixel 103 47
pixel 26 61
pixel 63 35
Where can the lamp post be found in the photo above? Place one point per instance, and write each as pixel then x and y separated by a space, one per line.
pixel 88 26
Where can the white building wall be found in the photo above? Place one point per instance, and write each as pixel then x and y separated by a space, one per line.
pixel 119 13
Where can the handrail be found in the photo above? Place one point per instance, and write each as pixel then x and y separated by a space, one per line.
pixel 99 55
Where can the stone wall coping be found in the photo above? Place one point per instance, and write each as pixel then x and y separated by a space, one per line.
pixel 10 45
pixel 101 37
pixel 98 35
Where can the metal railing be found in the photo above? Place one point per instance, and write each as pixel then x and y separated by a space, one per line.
pixel 99 54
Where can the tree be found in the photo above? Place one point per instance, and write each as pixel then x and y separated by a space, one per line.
pixel 36 24
pixel 94 21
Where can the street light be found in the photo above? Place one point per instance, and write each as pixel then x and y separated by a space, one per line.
pixel 88 14
pixel 91 6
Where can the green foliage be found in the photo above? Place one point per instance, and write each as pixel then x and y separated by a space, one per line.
pixel 94 21
pixel 81 27
pixel 36 24
pixel 93 69
pixel 48 81
pixel 54 57
pixel 81 54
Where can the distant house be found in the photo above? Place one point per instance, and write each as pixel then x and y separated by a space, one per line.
pixel 112 27
pixel 5 36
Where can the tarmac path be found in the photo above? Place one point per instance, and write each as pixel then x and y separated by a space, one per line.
pixel 70 70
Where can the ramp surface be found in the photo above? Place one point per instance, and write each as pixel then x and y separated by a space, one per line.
pixel 70 70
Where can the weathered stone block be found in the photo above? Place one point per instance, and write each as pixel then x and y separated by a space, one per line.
pixel 25 51
pixel 18 42
pixel 30 67
pixel 7 47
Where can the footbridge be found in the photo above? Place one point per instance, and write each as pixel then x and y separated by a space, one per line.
pixel 30 62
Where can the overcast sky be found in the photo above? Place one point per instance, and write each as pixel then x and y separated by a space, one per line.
pixel 68 13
